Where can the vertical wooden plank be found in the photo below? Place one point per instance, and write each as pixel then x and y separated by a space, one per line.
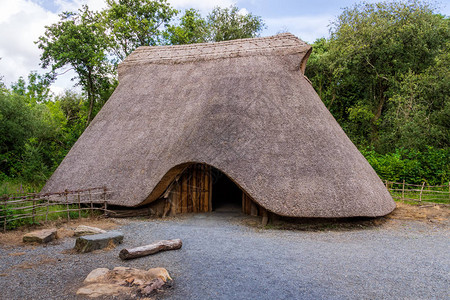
pixel 210 189
pixel 205 189
pixel 200 188
pixel 265 216
pixel 178 197
pixel 194 188
pixel 184 194
pixel 189 191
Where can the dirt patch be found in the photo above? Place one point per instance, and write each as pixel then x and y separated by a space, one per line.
pixel 16 253
pixel 30 265
pixel 429 213
pixel 65 229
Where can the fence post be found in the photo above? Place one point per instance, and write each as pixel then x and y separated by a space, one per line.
pixel 92 205
pixel 5 213
pixel 48 204
pixel 403 190
pixel 34 209
pixel 449 190
pixel 67 205
pixel 104 199
pixel 79 206
pixel 421 190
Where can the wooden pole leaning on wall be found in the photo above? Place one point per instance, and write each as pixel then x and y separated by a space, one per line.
pixel 421 191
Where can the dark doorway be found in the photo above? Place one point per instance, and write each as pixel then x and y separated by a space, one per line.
pixel 226 195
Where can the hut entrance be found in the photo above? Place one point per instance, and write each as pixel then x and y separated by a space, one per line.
pixel 202 188
pixel 226 195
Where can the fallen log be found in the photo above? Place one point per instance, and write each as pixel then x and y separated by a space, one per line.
pixel 150 249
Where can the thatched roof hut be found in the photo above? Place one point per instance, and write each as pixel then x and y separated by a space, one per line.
pixel 243 107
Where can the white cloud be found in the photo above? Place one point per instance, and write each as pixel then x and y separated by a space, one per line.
pixel 21 23
pixel 202 5
pixel 74 5
pixel 307 28
pixel 243 12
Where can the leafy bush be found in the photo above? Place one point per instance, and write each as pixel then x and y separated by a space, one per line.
pixel 413 166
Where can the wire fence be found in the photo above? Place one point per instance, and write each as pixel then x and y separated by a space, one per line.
pixel 419 192
pixel 18 209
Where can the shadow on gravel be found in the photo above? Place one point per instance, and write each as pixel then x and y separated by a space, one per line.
pixel 319 224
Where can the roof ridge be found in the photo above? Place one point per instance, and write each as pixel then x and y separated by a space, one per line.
pixel 284 43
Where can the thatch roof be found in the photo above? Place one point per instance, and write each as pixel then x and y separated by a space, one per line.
pixel 242 106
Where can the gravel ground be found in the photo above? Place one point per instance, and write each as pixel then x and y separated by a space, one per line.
pixel 223 259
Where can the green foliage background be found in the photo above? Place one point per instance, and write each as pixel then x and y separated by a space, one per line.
pixel 384 74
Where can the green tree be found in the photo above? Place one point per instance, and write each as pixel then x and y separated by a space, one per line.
pixel 221 24
pixel 419 110
pixel 78 40
pixel 372 49
pixel 36 90
pixel 192 29
pixel 134 23
pixel 229 23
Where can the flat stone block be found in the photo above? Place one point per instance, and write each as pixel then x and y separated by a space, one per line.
pixel 90 243
pixel 87 230
pixel 40 236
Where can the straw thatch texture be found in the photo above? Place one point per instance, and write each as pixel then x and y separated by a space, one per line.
pixel 243 107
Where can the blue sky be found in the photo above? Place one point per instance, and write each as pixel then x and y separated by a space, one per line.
pixel 23 21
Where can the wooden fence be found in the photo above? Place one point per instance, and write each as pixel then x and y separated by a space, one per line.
pixel 419 192
pixel 33 206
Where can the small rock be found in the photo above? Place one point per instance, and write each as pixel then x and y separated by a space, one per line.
pixel 87 230
pixel 151 286
pixel 96 275
pixel 102 289
pixel 40 236
pixel 90 243
pixel 159 273
pixel 124 280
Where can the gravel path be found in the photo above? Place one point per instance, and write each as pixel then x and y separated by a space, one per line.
pixel 223 259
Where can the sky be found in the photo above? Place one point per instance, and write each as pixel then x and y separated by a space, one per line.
pixel 23 21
